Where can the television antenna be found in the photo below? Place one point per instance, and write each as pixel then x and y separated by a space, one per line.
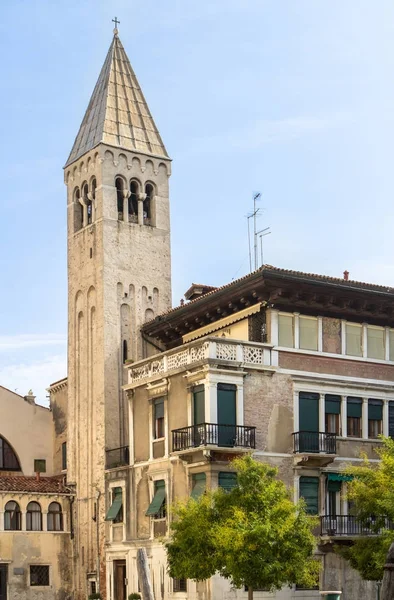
pixel 256 234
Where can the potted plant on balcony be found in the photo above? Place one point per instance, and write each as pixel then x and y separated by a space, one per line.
pixel 134 596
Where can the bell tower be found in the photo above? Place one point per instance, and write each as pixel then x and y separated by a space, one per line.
pixel 119 276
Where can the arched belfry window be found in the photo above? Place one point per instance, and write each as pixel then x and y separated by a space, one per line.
pixel 78 211
pixel 88 203
pixel 8 458
pixel 119 197
pixel 133 201
pixel 12 516
pixel 149 192
pixel 33 517
pixel 55 517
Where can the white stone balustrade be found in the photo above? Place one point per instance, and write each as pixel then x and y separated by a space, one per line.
pixel 228 351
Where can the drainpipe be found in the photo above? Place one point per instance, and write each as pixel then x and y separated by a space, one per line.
pixel 98 539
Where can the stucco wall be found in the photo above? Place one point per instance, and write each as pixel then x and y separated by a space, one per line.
pixel 28 429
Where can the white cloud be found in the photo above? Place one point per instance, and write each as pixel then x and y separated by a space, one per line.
pixel 36 375
pixel 15 342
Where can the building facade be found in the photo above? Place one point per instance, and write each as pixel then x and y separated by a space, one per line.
pixel 35 505
pixel 297 369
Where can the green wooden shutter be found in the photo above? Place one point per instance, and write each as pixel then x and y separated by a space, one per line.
pixel 309 490
pixel 116 505
pixel 354 407
pixel 227 481
pixel 158 498
pixel 199 485
pixel 227 414
pixel 375 410
pixel 391 419
pixel 334 486
pixel 198 405
pixel 308 412
pixel 332 404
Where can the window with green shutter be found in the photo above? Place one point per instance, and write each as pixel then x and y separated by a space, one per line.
pixel 309 490
pixel 157 508
pixel 227 481
pixel 332 412
pixel 354 415
pixel 375 418
pixel 198 404
pixel 115 511
pixel 199 482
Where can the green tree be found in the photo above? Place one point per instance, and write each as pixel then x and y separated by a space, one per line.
pixel 372 494
pixel 253 535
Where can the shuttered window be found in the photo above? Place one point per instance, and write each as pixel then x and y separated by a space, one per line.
pixel 309 490
pixel 354 414
pixel 286 331
pixel 199 481
pixel 332 410
pixel 375 342
pixel 115 511
pixel 227 481
pixel 375 418
pixel 308 333
pixel 353 340
pixel 391 419
pixel 157 508
pixel 391 344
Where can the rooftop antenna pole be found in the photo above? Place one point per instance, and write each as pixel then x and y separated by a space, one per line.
pixel 262 233
pixel 250 252
pixel 255 211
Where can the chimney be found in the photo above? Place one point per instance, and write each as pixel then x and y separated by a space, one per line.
pixel 346 275
pixel 182 302
pixel 30 397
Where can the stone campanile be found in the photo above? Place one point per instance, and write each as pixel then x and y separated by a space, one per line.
pixel 119 276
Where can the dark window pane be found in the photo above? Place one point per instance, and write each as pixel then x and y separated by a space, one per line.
pixel 39 575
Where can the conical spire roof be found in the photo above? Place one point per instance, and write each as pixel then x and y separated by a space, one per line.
pixel 118 114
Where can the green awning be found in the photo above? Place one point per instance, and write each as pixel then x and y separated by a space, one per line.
pixel 199 485
pixel 354 407
pixel 116 505
pixel 334 486
pixel 375 410
pixel 333 404
pixel 158 500
pixel 339 477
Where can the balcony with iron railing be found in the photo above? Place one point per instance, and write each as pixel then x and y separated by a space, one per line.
pixel 117 457
pixel 319 447
pixel 350 526
pixel 228 352
pixel 213 434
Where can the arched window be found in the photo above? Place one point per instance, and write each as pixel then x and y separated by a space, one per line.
pixel 12 516
pixel 8 458
pixel 133 202
pixel 78 211
pixel 148 203
pixel 88 203
pixel 55 517
pixel 33 517
pixel 119 197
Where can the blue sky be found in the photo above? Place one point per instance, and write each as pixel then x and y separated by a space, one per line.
pixel 294 99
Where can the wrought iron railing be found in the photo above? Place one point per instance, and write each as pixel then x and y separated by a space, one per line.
pixel 117 457
pixel 349 525
pixel 315 442
pixel 206 434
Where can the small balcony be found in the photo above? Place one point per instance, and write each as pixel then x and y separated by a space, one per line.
pixel 318 448
pixel 117 457
pixel 348 526
pixel 213 434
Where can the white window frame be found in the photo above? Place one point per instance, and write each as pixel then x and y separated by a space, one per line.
pixel 296 330
pixel 118 484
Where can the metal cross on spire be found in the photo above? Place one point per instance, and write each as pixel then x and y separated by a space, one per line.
pixel 115 20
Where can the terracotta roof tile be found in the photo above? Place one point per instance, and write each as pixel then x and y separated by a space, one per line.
pixel 44 485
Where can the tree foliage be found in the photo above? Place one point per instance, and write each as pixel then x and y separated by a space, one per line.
pixel 253 535
pixel 372 492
